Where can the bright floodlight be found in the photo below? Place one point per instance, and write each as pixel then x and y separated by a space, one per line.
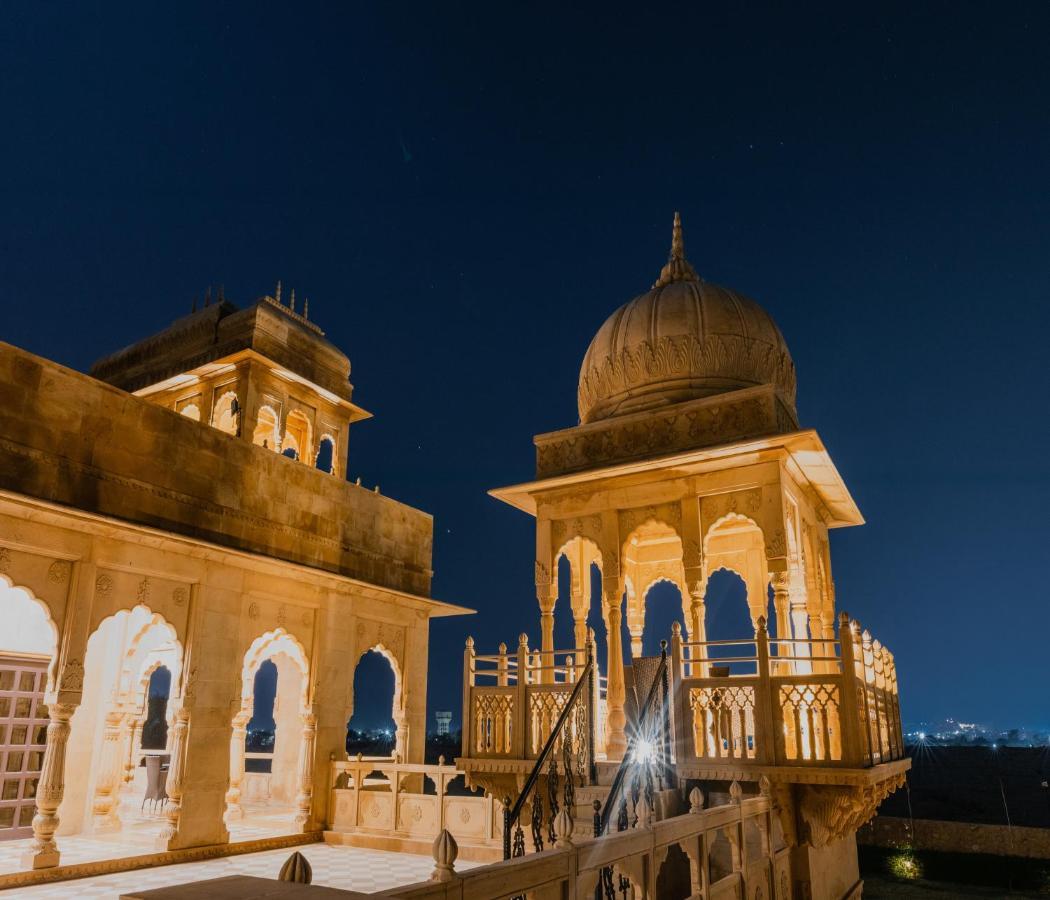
pixel 922 735
pixel 644 751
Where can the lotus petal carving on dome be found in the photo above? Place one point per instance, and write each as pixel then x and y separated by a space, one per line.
pixel 643 367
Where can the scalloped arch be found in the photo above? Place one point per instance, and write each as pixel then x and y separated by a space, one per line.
pixel 8 587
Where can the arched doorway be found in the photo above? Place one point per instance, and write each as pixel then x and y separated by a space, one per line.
pixel 125 656
pixel 653 575
pixel 326 454
pixel 266 740
pixel 377 724
pixel 296 441
pixel 267 431
pixel 27 651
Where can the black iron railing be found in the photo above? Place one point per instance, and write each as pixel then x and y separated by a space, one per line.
pixel 573 739
pixel 647 759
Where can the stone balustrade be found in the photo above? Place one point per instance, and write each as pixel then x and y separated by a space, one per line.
pixel 382 803
pixel 766 702
pixel 734 850
pixel 759 702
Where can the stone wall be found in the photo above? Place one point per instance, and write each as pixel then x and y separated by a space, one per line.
pixel 957 837
pixel 69 439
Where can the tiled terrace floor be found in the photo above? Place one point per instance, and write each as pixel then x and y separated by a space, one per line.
pixel 349 868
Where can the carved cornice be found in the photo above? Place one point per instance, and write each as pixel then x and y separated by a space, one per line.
pixel 738 415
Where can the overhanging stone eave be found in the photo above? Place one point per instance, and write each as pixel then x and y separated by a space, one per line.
pixel 59 513
pixel 829 775
pixel 230 360
pixel 805 455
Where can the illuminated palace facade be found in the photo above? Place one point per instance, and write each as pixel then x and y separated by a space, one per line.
pixel 689 459
pixel 169 524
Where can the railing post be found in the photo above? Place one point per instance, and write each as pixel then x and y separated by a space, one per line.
pixel 503 667
pixel 675 692
pixel 592 702
pixel 767 705
pixel 519 739
pixel 468 683
pixel 665 707
pixel 852 744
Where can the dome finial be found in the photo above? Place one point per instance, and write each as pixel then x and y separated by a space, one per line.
pixel 677 268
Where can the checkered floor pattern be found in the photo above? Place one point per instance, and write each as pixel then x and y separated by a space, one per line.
pixel 349 868
pixel 138 834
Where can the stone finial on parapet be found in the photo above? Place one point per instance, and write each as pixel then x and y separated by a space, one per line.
pixel 644 812
pixel 736 792
pixel 445 851
pixel 696 800
pixel 296 869
pixel 563 830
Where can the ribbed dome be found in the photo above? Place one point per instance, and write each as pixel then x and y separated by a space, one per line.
pixel 682 340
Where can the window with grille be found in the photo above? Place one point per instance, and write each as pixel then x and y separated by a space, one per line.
pixel 23 734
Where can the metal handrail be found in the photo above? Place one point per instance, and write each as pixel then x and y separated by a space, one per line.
pixel 513 814
pixel 621 772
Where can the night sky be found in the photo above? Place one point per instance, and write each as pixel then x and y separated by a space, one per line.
pixel 466 193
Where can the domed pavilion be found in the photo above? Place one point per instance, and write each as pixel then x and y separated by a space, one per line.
pixel 688 459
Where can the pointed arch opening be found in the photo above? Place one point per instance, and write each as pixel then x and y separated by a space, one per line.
pixel 652 558
pixel 296 441
pixel 267 432
pixel 226 414
pixel 124 654
pixel 325 460
pixel 266 740
pixel 377 726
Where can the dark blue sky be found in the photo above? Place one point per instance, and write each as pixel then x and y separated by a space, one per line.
pixel 465 193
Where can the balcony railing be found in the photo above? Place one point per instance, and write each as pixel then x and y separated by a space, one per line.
pixel 756 702
pixel 511 702
pixel 769 701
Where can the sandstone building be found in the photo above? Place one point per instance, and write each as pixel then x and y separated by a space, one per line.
pixel 168 524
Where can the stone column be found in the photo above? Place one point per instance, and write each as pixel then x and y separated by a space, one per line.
pixel 616 742
pixel 547 637
pixel 104 806
pixel 697 626
pixel 304 799
pixel 636 639
pixel 234 811
pixel 782 605
pixel 176 776
pixel 50 790
pixel 134 736
pixel 580 603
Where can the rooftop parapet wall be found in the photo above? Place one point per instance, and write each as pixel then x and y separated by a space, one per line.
pixel 69 439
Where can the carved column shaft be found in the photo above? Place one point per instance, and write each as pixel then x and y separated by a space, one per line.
pixel 134 737
pixel 234 811
pixel 304 799
pixel 176 775
pixel 616 743
pixel 107 787
pixel 782 605
pixel 51 788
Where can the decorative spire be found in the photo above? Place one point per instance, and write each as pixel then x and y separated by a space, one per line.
pixel 207 296
pixel 277 294
pixel 306 307
pixel 677 268
pixel 291 302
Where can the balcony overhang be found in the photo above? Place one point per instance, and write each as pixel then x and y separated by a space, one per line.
pixel 802 452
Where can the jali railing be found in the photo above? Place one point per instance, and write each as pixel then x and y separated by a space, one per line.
pixel 788 702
